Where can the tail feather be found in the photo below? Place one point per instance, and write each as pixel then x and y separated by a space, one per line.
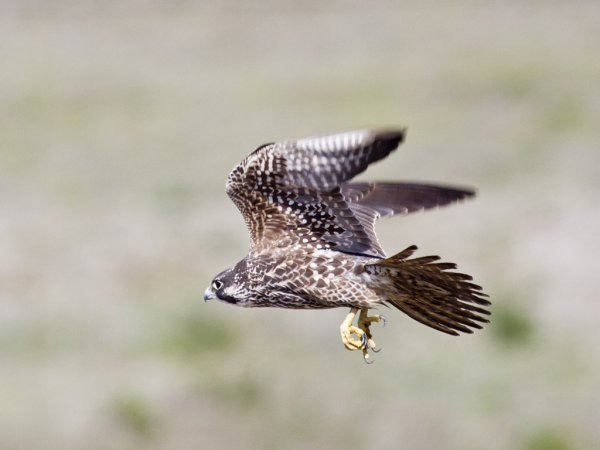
pixel 430 293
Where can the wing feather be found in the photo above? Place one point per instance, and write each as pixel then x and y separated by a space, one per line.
pixel 289 193
pixel 299 192
pixel 370 201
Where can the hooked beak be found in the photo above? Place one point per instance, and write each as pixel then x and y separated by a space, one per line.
pixel 209 295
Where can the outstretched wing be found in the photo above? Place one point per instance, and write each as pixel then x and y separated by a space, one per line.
pixel 370 201
pixel 289 193
pixel 296 192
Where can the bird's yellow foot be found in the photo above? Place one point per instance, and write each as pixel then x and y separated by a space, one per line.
pixel 360 338
pixel 364 323
pixel 353 338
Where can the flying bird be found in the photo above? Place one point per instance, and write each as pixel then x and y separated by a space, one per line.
pixel 313 242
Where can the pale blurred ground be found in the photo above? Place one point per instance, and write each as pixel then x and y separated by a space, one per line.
pixel 118 124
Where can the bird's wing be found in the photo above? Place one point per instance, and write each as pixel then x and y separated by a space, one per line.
pixel 290 193
pixel 370 201
pixel 298 192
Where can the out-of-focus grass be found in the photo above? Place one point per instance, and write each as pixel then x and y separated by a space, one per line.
pixel 137 414
pixel 550 438
pixel 511 324
pixel 567 115
pixel 172 198
pixel 238 390
pixel 192 336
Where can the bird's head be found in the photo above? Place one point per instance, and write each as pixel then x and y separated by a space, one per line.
pixel 227 287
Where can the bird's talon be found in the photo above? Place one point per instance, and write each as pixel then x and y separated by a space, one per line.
pixel 365 341
pixel 383 320
pixel 372 346
pixel 360 337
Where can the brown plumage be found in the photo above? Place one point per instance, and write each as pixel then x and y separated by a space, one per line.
pixel 429 292
pixel 313 242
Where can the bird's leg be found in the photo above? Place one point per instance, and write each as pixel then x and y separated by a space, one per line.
pixel 364 339
pixel 348 331
pixel 364 323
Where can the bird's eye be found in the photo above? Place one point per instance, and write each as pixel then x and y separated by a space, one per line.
pixel 216 285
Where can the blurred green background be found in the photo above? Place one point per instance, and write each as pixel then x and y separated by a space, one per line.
pixel 119 122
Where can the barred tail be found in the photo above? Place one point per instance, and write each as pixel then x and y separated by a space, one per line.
pixel 429 292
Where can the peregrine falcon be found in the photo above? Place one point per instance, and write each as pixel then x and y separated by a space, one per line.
pixel 313 242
